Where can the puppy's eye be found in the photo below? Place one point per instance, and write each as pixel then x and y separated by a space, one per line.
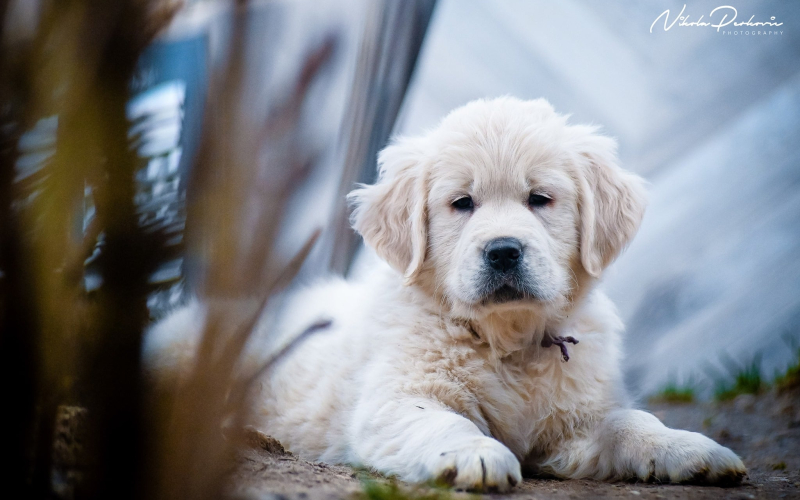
pixel 463 203
pixel 538 200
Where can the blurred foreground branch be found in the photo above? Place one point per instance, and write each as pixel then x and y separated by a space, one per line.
pixel 72 212
pixel 238 195
pixel 64 343
pixel 65 90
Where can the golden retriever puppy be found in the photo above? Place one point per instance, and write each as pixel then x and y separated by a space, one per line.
pixel 483 344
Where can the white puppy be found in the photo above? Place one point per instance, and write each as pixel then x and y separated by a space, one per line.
pixel 455 362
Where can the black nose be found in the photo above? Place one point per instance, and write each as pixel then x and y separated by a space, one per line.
pixel 503 254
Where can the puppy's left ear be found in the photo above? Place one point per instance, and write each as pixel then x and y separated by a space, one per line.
pixel 612 201
pixel 391 215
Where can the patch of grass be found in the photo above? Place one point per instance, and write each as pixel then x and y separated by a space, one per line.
pixel 791 378
pixel 746 380
pixel 390 490
pixel 366 474
pixel 779 466
pixel 675 394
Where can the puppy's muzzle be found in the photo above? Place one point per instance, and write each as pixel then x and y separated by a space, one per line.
pixel 503 254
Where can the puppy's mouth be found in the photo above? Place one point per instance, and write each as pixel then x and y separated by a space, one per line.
pixel 510 290
pixel 518 286
pixel 504 294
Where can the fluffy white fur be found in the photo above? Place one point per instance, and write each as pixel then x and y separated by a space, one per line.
pixel 422 375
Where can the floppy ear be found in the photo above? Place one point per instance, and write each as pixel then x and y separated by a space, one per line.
pixel 612 202
pixel 391 215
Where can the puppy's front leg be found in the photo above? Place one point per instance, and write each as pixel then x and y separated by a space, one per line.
pixel 420 439
pixel 633 444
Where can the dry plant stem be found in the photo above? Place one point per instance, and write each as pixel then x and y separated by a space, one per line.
pixel 113 375
pixel 192 452
pixel 78 253
pixel 241 384
pixel 230 179
pixel 19 368
pixel 280 135
pixel 237 407
pixel 113 378
pixel 314 328
pixel 77 68
pixel 235 345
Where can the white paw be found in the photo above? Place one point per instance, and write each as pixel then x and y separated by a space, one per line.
pixel 685 456
pixel 481 463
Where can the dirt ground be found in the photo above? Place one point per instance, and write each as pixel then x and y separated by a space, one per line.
pixel 764 430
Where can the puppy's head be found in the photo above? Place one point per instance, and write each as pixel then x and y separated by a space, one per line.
pixel 503 205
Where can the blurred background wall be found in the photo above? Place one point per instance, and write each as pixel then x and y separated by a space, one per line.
pixel 712 281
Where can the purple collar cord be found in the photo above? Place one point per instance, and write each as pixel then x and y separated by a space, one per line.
pixel 561 342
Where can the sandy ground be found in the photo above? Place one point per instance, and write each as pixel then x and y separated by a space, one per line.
pixel 763 430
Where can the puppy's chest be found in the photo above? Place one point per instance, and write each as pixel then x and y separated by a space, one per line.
pixel 530 400
pixel 531 405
